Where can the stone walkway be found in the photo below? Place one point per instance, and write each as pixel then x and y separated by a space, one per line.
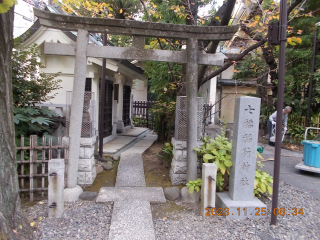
pixel 131 217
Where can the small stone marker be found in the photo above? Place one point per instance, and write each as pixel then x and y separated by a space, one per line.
pixel 240 201
pixel 55 188
pixel 208 188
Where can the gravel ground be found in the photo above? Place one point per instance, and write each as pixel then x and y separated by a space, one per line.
pixel 80 220
pixel 89 220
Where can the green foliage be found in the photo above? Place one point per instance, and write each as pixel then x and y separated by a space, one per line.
pixel 217 151
pixel 251 67
pixel 29 84
pixel 31 120
pixel 168 150
pixel 164 89
pixel 194 185
pixel 262 182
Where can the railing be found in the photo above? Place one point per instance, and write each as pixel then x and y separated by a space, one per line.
pixel 142 116
pixel 36 157
pixel 207 113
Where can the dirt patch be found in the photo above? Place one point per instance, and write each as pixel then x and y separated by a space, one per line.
pixel 156 169
pixel 104 179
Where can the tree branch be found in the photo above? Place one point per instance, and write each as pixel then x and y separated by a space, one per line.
pixel 234 59
pixel 224 21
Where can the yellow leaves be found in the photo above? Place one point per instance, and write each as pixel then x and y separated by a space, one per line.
pixel 120 11
pixel 299 32
pixel 257 18
pixel 32 224
pixel 294 40
pixel 5 5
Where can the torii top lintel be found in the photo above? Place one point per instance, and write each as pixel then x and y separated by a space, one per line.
pixel 135 28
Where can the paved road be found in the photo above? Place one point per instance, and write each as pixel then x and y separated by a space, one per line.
pixel 308 182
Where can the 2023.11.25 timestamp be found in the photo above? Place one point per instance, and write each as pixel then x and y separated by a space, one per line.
pixel 257 212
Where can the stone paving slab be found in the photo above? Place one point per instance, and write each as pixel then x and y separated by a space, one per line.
pixel 134 150
pixel 131 220
pixel 135 132
pixel 130 171
pixel 112 194
pixel 117 144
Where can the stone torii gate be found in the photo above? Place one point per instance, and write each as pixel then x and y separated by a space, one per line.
pixel 139 30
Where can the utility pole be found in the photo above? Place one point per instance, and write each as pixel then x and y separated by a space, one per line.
pixel 282 62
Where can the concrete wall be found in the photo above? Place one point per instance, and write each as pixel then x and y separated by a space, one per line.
pixel 228 103
pixel 228 73
pixel 139 90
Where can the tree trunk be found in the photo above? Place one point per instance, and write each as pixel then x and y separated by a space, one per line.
pixel 12 223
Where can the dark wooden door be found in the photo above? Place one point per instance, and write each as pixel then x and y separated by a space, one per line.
pixel 106 105
pixel 126 105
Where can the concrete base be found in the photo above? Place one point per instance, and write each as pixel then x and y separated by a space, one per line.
pixel 109 138
pixel 72 194
pixel 241 209
pixel 127 128
pixel 113 194
pixel 120 126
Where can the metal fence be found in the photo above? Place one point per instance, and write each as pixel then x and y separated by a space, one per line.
pixel 142 115
pixel 32 162
pixel 88 117
pixel 181 118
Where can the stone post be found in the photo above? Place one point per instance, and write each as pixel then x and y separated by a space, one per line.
pixel 55 187
pixel 208 188
pixel 244 148
pixel 80 71
pixel 240 200
pixel 192 107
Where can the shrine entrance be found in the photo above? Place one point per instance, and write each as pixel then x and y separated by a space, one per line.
pixel 139 30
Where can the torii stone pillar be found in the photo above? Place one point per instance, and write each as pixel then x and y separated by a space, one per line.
pixel 80 71
pixel 192 107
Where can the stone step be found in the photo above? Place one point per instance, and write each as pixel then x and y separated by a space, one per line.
pixel 131 219
pixel 117 144
pixel 113 194
pixel 130 171
pixel 135 132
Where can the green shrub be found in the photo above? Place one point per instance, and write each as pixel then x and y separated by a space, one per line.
pixel 194 185
pixel 218 151
pixel 168 150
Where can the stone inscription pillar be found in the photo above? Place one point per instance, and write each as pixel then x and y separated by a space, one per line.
pixel 192 107
pixel 244 148
pixel 80 71
pixel 240 202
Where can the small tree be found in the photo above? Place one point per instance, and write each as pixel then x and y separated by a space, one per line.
pixel 30 86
